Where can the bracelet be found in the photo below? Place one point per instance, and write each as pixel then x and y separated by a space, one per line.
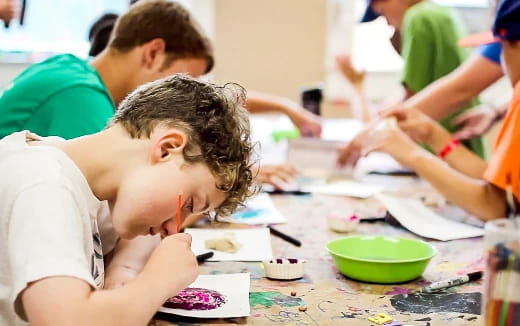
pixel 448 148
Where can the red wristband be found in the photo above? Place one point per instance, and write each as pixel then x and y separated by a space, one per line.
pixel 448 148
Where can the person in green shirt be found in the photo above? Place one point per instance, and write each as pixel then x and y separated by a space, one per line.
pixel 429 35
pixel 68 97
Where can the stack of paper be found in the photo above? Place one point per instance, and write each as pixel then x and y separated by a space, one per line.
pixel 255 244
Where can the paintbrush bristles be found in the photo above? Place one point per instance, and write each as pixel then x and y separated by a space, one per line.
pixel 503 282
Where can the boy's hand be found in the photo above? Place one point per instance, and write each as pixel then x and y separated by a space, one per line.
pixel 420 127
pixel 172 264
pixel 281 176
pixel 349 154
pixel 475 122
pixel 308 123
pixel 391 140
pixel 9 10
pixel 345 65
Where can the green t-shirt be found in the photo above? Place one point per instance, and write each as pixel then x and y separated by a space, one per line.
pixel 61 96
pixel 429 48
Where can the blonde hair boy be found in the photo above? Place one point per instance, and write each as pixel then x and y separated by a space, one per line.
pixel 175 136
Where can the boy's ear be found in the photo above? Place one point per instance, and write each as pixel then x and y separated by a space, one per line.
pixel 168 144
pixel 152 53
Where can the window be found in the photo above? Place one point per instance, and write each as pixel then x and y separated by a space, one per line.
pixel 55 26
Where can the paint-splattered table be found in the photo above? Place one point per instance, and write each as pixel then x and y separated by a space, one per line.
pixel 330 298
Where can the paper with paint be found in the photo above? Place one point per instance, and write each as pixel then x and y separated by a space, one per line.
pixel 344 188
pixel 255 244
pixel 258 210
pixel 417 218
pixel 213 296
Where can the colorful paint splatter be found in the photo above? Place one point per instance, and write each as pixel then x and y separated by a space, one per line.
pixel 196 299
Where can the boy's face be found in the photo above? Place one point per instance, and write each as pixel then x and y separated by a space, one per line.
pixel 147 197
pixel 511 60
pixel 392 10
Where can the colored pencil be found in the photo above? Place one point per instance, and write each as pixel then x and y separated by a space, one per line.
pixel 179 213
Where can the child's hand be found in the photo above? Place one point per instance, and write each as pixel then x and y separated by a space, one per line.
pixel 475 122
pixel 420 127
pixel 308 123
pixel 354 76
pixel 172 264
pixel 391 140
pixel 281 176
pixel 350 153
pixel 9 9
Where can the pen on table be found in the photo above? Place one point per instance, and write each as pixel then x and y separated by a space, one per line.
pixel 205 256
pixel 288 192
pixel 451 282
pixel 285 237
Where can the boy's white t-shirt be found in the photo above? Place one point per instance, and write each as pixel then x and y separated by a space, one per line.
pixel 48 221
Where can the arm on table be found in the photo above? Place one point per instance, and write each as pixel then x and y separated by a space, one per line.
pixel 308 123
pixel 75 303
pixel 475 195
pixel 422 129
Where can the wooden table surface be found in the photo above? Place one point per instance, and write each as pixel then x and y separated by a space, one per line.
pixel 331 298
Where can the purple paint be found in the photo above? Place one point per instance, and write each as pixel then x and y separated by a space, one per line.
pixel 281 261
pixel 196 299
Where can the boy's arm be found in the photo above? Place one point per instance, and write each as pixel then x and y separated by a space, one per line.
pixel 308 123
pixel 423 129
pixel 447 94
pixel 67 301
pixel 472 194
pixel 128 259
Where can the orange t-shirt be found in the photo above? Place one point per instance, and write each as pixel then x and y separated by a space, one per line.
pixel 504 167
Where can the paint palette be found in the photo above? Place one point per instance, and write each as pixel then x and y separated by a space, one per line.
pixel 342 223
pixel 284 268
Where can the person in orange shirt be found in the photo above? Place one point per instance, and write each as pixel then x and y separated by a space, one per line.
pixel 462 177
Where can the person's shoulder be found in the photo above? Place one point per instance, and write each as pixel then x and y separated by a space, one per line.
pixel 60 72
pixel 428 11
pixel 23 165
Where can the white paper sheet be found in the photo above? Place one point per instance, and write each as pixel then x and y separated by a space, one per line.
pixel 417 218
pixel 344 188
pixel 235 288
pixel 259 210
pixel 255 244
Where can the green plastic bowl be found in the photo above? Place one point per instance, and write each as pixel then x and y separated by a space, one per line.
pixel 379 259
